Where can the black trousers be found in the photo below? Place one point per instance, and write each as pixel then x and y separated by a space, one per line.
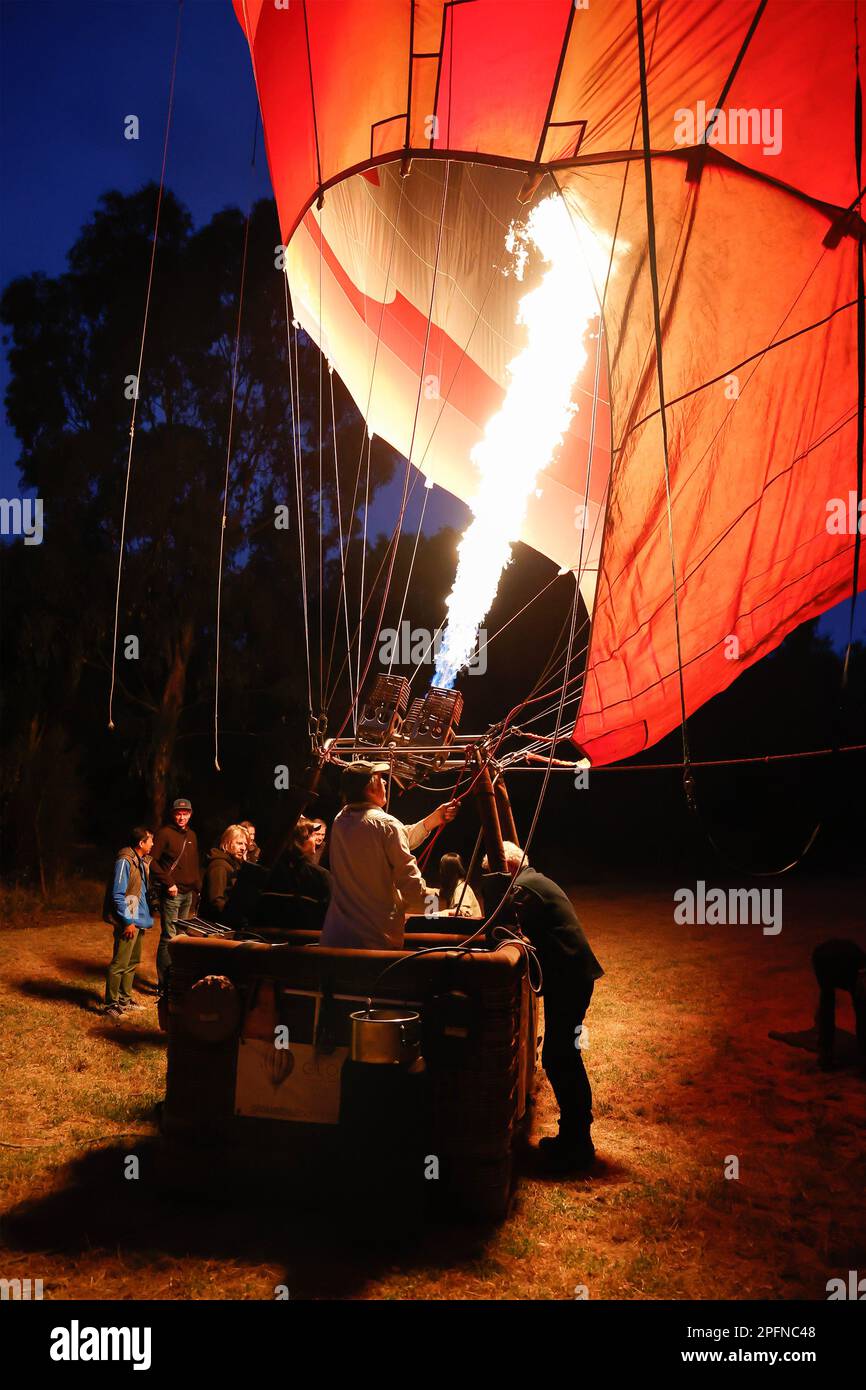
pixel 838 965
pixel 562 1059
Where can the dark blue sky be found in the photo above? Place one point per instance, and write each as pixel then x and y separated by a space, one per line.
pixel 70 74
pixel 70 71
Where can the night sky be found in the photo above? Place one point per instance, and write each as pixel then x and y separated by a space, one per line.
pixel 70 73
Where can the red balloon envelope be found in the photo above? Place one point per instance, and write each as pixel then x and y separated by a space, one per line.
pixel 757 264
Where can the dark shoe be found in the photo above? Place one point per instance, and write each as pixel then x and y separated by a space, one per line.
pixel 113 1012
pixel 564 1155
pixel 553 1142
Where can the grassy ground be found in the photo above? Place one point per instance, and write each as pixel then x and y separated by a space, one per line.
pixel 684 1075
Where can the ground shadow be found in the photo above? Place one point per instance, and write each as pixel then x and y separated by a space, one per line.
pixel 846 1051
pixel 122 1035
pixel 82 965
pixel 84 997
pixel 97 965
pixel 303 1230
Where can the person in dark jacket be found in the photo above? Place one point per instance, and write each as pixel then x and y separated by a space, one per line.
pixel 221 871
pixel 254 853
pixel 297 874
pixel 176 875
pixel 127 909
pixel 570 970
pixel 839 964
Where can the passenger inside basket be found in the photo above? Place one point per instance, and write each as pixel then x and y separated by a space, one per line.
pixel 299 889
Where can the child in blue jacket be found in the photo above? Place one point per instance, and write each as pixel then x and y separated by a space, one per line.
pixel 127 909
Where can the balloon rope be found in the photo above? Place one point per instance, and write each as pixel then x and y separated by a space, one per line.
pixel 445 399
pixel 578 569
pixel 427 491
pixel 312 90
pixel 409 580
pixel 230 434
pixel 757 356
pixel 137 383
pixel 603 509
pixel 493 914
pixel 756 18
pixel 861 348
pixel 395 533
pixel 366 439
pixel 547 771
pixel 688 782
pixel 407 476
pixel 343 600
pixel 568 765
pixel 321 489
pixel 601 340
pixel 294 398
pixel 361 606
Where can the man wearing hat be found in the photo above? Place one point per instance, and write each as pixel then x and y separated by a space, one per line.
pixel 176 874
pixel 377 883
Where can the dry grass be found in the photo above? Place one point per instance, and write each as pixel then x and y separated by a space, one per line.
pixel 683 1073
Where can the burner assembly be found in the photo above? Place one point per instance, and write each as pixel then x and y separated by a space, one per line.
pixel 384 710
pixel 422 732
pixel 429 730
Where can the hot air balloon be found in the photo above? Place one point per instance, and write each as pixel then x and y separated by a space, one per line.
pixel 707 490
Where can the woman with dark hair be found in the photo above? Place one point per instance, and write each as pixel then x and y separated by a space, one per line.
pixel 318 831
pixel 455 895
pixel 296 875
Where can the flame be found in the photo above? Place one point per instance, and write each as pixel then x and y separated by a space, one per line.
pixel 520 439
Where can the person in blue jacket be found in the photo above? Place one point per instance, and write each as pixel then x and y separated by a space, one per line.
pixel 127 909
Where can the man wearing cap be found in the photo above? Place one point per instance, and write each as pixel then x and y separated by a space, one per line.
pixel 377 883
pixel 176 874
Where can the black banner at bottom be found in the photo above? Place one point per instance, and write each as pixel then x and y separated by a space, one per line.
pixel 223 1338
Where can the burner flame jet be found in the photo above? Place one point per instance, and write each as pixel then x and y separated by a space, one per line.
pixel 522 437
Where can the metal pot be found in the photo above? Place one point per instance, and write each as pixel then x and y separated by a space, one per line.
pixel 386 1036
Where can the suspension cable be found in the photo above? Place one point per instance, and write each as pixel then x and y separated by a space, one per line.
pixel 407 475
pixel 688 781
pixel 299 488
pixel 343 600
pixel 135 395
pixel 230 435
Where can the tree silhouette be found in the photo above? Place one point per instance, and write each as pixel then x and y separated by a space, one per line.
pixel 73 352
